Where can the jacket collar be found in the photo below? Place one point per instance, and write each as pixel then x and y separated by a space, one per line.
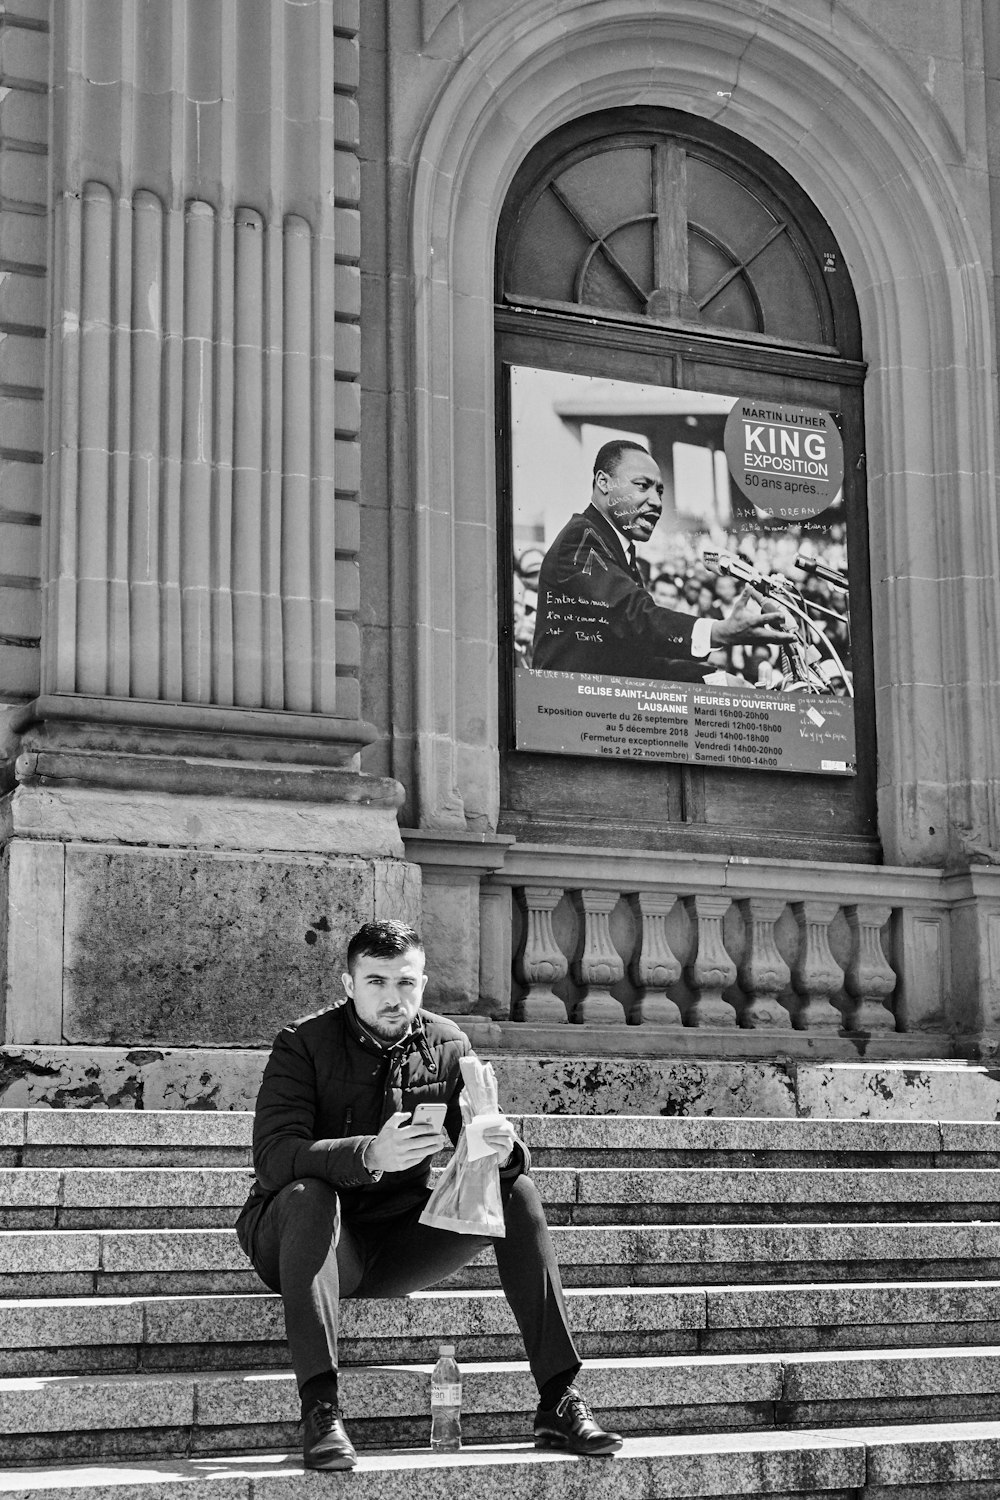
pixel 415 1039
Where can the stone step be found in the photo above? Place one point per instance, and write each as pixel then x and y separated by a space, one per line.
pixel 110 1138
pixel 116 1263
pixel 868 1463
pixel 211 1197
pixel 133 1335
pixel 389 1405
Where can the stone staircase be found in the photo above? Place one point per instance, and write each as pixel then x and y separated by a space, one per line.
pixel 768 1307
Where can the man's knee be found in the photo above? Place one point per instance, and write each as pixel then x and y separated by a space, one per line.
pixel 309 1203
pixel 524 1200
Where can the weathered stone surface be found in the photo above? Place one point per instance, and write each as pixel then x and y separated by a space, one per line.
pixel 164 1077
pixel 632 1086
pixel 118 1078
pixel 169 818
pixel 924 1091
pixel 71 1127
pixel 836 1305
pixel 23 1186
pixel 75 1403
pixel 27 1251
pixel 171 1250
pixel 186 948
pixel 154 1186
pixel 404 1390
pixel 889 1373
pixel 770 1185
pixel 450 929
pixel 748 1134
pixel 938 1453
pixel 82 1320
pixel 670 1467
pixel 970 1136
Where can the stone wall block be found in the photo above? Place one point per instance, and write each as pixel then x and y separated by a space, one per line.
pixel 654 964
pixel 24 57
pixel 450 929
pixel 763 975
pixel 869 980
pixel 495 931
pixel 397 893
pixel 975 951
pixel 541 963
pixel 191 948
pixel 922 939
pixel 710 969
pixel 816 974
pixel 599 965
pixel 31 935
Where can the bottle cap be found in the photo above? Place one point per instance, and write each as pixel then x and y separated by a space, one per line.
pixel 447 1350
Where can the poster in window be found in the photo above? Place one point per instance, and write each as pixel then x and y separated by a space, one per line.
pixel 680 576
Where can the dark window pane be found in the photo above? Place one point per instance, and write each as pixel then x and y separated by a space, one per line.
pixel 733 215
pixel 786 293
pixel 548 252
pixel 609 187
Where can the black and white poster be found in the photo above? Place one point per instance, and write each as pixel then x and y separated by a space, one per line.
pixel 680 576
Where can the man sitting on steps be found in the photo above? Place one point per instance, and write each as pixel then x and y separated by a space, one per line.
pixel 342 1179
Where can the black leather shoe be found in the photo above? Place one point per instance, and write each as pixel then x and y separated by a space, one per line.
pixel 570 1424
pixel 325 1444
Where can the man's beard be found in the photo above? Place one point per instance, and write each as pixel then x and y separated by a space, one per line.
pixel 389 1031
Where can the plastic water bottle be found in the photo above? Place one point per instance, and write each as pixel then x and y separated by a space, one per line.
pixel 446 1402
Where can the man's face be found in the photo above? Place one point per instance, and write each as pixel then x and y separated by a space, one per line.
pixel 632 497
pixel 387 992
pixel 665 593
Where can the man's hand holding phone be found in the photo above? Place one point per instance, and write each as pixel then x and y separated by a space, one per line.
pixel 399 1145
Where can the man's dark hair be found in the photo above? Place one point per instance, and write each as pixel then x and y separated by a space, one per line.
pixel 382 940
pixel 609 454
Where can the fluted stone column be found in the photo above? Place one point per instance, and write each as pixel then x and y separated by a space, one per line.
pixel 203 464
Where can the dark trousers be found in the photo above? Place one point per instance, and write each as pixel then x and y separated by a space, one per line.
pixel 303 1249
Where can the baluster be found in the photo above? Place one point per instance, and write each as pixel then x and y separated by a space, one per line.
pixel 710 970
pixel 600 964
pixel 816 974
pixel 655 965
pixel 543 962
pixel 869 981
pixel 763 974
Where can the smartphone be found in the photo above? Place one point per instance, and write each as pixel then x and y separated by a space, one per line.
pixel 430 1114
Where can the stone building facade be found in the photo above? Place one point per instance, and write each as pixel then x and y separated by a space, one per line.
pixel 252 527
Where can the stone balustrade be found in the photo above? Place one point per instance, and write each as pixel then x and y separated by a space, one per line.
pixel 669 957
pixel 702 951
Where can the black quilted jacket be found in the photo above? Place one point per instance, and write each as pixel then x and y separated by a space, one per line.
pixel 328 1088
